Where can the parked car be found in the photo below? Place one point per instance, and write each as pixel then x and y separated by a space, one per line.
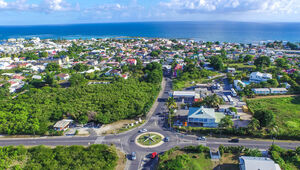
pixel 201 138
pixel 143 130
pixel 235 140
pixel 167 139
pixel 154 154
pixel 133 156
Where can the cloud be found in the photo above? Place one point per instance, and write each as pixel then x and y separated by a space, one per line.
pixel 110 7
pixel 44 6
pixel 3 4
pixel 227 6
pixel 57 5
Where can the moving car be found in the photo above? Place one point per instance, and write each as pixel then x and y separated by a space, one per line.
pixel 154 154
pixel 235 140
pixel 167 139
pixel 133 156
pixel 143 130
pixel 201 138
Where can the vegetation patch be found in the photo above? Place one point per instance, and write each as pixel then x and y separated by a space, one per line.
pixel 35 111
pixel 286 111
pixel 100 157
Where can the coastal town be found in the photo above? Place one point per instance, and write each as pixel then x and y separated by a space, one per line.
pixel 104 87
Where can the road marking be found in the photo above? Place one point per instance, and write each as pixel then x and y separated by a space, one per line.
pixel 99 140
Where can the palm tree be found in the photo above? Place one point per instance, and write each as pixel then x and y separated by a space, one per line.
pixel 172 105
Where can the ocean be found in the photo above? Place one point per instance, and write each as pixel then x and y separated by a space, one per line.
pixel 242 32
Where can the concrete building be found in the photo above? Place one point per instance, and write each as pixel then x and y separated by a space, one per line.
pixel 257 163
pixel 239 85
pixel 204 117
pixel 261 90
pixel 184 96
pixel 257 77
pixel 278 90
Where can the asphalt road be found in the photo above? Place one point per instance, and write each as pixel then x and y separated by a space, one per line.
pixel 125 141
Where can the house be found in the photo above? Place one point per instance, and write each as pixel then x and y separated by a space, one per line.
pixel 204 117
pixel 278 90
pixel 37 77
pixel 63 76
pixel 257 163
pixel 261 90
pixel 258 77
pixel 230 70
pixel 239 85
pixel 184 96
pixel 132 61
pixel 178 68
pixel 286 85
pixel 62 125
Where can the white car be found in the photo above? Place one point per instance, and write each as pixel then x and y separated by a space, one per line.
pixel 143 130
pixel 201 138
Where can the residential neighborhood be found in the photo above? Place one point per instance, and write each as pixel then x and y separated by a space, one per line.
pixel 103 88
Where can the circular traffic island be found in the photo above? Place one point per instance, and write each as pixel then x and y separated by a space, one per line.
pixel 149 140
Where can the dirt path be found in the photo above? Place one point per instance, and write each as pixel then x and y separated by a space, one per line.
pixel 275 96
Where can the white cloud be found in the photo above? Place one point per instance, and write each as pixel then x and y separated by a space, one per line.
pixel 3 4
pixel 45 6
pixel 206 6
pixel 57 5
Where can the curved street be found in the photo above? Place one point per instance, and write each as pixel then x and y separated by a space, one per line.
pixel 154 123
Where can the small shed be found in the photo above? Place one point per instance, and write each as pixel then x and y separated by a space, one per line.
pixel 62 125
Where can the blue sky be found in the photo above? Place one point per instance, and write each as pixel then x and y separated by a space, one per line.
pixel 35 12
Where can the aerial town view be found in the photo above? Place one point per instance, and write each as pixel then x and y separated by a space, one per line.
pixel 155 92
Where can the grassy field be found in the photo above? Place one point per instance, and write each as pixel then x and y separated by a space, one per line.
pixel 241 66
pixel 286 110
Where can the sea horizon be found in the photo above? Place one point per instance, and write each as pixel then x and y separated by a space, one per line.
pixel 223 31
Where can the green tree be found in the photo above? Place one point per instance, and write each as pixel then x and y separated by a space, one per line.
pixel 216 63
pixel 52 67
pixel 213 101
pixel 4 91
pixel 281 62
pixel 254 125
pixel 80 67
pixel 77 80
pixel 265 117
pixel 226 122
pixel 248 58
pixel 262 61
pixel 44 54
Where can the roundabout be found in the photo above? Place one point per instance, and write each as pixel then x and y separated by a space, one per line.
pixel 149 140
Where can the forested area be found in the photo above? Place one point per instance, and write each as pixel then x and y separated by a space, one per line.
pixel 75 157
pixel 37 110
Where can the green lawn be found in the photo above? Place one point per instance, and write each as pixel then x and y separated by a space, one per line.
pixel 200 163
pixel 286 110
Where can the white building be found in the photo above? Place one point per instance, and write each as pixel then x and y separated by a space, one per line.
pixel 238 84
pixel 258 77
pixel 261 90
pixel 278 90
pixel 257 163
